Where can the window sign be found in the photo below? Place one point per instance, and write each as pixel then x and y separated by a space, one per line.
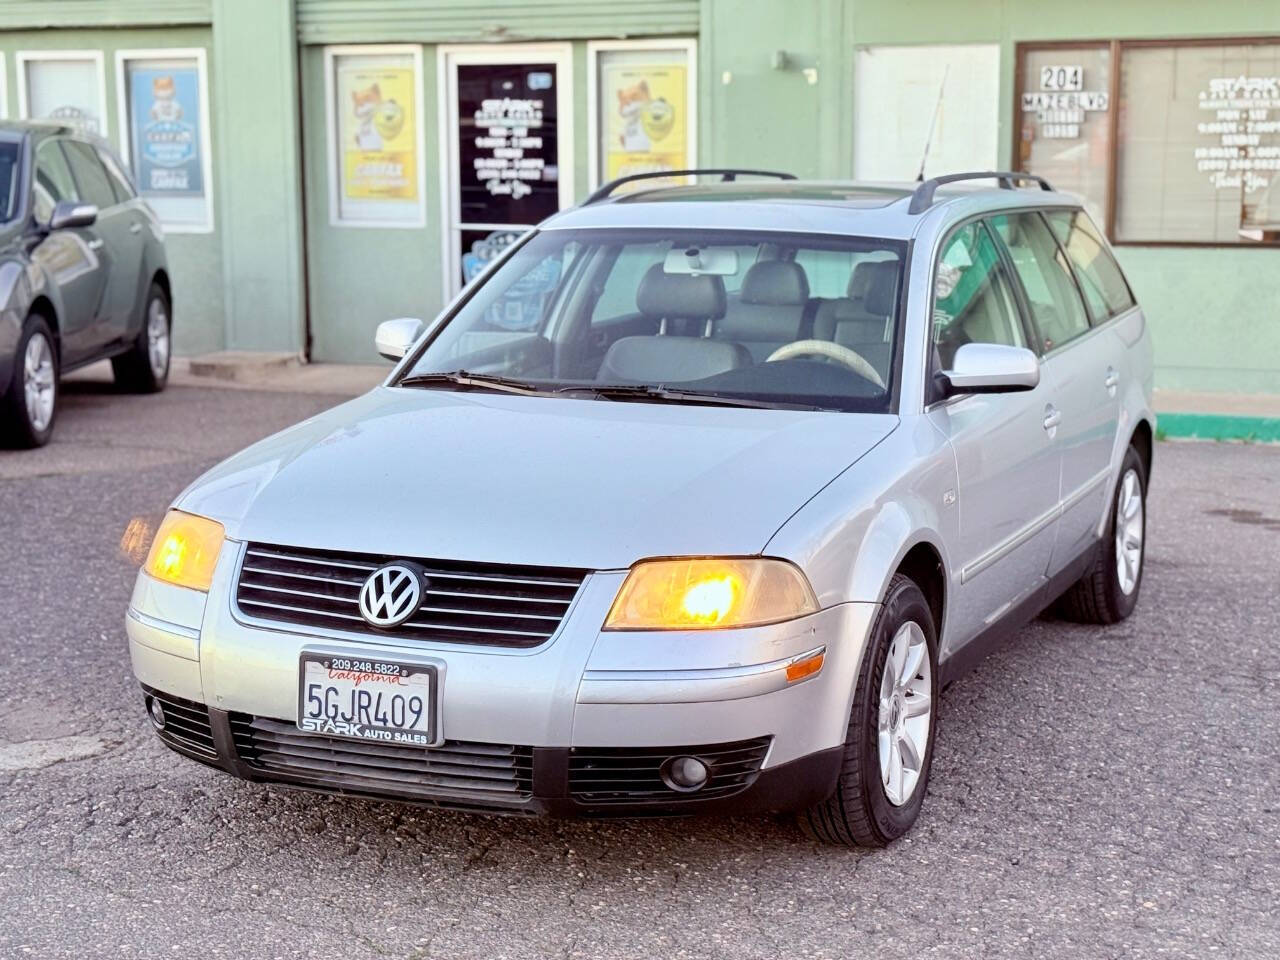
pixel 376 152
pixel 1064 120
pixel 63 85
pixel 1201 162
pixel 164 104
pixel 642 110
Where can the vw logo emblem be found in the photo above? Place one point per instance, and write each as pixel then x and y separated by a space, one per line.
pixel 391 595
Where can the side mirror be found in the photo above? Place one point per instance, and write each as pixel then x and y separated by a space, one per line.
pixel 69 214
pixel 395 337
pixel 991 368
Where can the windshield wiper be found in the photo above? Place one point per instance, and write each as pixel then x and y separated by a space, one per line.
pixel 464 380
pixel 651 394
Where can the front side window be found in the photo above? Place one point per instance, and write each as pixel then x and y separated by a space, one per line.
pixel 1100 278
pixel 972 299
pixel 8 181
pixel 1056 307
pixel 90 174
pixel 53 182
pixel 630 313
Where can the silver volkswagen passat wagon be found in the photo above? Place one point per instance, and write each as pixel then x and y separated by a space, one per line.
pixel 694 501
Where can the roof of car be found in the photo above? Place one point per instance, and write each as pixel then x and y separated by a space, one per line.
pixel 853 208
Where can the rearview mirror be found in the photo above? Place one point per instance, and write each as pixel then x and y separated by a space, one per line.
pixel 69 214
pixel 991 368
pixel 395 337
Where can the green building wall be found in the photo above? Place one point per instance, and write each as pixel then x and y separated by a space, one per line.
pixel 274 265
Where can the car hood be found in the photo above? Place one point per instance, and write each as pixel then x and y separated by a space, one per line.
pixel 539 480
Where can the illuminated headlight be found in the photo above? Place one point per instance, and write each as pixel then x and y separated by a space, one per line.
pixel 704 593
pixel 185 550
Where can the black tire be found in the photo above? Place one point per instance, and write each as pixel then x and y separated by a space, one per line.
pixel 133 370
pixel 859 811
pixel 1098 596
pixel 16 423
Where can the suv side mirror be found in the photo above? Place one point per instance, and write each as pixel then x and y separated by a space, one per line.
pixel 69 214
pixel 991 368
pixel 395 337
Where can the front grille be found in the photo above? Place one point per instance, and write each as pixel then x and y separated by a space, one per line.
pixel 186 724
pixel 633 774
pixel 456 773
pixel 499 605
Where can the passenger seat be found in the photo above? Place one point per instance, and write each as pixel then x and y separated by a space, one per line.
pixel 863 323
pixel 769 311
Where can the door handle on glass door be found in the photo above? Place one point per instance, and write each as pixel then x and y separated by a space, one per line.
pixel 1052 417
pixel 1113 379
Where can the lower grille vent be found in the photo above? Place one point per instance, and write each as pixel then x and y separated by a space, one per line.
pixel 634 774
pixel 186 724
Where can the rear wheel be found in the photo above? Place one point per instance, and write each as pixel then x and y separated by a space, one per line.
pixel 889 742
pixel 145 367
pixel 1109 591
pixel 30 404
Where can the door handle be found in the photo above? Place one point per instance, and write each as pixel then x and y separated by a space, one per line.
pixel 1052 417
pixel 1113 379
pixel 135 227
pixel 95 244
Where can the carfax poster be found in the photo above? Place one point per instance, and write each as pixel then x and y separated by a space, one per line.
pixel 165 118
pixel 378 133
pixel 645 118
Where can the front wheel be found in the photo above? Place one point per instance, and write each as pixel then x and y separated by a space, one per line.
pixel 1108 592
pixel 889 742
pixel 145 367
pixel 30 404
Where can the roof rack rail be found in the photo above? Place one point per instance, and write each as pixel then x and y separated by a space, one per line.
pixel 922 199
pixel 726 174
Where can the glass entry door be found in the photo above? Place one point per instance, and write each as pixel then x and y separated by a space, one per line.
pixel 509 127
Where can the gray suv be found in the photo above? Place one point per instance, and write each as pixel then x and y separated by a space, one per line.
pixel 88 278
pixel 693 501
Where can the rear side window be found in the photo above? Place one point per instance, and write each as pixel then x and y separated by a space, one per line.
pixel 1100 278
pixel 91 175
pixel 53 182
pixel 1056 307
pixel 119 180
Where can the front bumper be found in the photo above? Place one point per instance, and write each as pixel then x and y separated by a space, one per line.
pixel 577 726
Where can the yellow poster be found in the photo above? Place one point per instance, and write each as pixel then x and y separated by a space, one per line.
pixel 645 119
pixel 378 132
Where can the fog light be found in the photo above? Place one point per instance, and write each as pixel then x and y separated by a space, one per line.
pixel 685 774
pixel 157 713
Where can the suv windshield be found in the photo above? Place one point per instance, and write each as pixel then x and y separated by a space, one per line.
pixel 760 318
pixel 8 181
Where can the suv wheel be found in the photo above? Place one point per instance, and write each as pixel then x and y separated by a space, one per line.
pixel 1109 591
pixel 30 405
pixel 888 746
pixel 145 367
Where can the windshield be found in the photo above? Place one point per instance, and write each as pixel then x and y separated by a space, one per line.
pixel 776 319
pixel 8 181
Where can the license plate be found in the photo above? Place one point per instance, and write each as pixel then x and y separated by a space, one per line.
pixel 362 698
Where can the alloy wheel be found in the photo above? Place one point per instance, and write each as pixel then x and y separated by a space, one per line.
pixel 906 709
pixel 1130 517
pixel 38 381
pixel 158 337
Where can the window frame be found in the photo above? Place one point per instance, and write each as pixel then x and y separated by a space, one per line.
pixel 200 56
pixel 1076 271
pixel 1118 48
pixel 23 57
pixel 71 165
pixel 659 46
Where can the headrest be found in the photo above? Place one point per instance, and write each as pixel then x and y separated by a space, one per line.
pixel 776 283
pixel 668 359
pixel 875 283
pixel 679 296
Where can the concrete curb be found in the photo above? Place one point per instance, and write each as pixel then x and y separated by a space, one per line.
pixel 1213 426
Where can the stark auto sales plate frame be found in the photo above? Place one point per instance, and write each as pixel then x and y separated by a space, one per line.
pixel 369 698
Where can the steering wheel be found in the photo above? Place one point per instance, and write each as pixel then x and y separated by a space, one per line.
pixel 832 351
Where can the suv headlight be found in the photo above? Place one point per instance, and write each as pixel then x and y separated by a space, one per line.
pixel 701 593
pixel 185 550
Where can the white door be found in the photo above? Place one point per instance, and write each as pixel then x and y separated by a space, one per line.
pixel 506 148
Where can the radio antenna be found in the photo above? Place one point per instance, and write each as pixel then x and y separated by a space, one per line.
pixel 937 108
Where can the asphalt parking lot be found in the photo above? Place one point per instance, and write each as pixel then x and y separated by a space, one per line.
pixel 1096 793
